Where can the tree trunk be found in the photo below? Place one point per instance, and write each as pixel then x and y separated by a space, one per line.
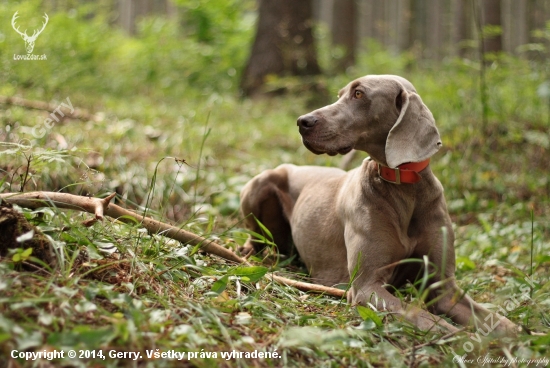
pixel 403 25
pixel 344 14
pixel 491 17
pixel 514 24
pixel 537 16
pixel 284 44
pixel 434 30
pixel 417 33
pixel 461 26
pixel 131 10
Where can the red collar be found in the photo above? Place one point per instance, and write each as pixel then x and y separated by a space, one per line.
pixel 404 173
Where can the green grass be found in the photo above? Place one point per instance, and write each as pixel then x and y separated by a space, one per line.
pixel 154 293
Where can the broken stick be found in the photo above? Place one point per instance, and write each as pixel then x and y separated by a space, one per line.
pixel 41 105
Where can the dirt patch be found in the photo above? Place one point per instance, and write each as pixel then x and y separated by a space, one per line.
pixel 12 225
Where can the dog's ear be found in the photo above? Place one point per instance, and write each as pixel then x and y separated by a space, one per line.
pixel 413 137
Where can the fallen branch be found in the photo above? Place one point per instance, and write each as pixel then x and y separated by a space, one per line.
pixel 44 106
pixel 306 286
pixel 101 207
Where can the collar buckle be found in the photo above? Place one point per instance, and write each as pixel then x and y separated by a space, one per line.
pixel 397 175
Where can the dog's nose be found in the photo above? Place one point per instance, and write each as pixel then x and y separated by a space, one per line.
pixel 307 121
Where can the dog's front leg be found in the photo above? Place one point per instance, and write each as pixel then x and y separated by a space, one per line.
pixel 453 302
pixel 377 296
pixel 371 262
pixel 447 297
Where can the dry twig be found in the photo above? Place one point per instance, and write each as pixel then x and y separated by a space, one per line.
pixel 41 105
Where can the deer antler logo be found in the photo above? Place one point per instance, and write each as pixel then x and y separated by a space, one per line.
pixel 29 40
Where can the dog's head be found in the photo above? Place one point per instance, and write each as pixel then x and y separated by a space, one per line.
pixel 379 114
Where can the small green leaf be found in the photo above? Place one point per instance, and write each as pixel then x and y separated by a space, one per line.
pixel 265 230
pixel 463 263
pixel 21 255
pixel 252 273
pixel 220 285
pixel 195 249
pixel 26 253
pixel 286 262
pixel 93 252
pixel 369 315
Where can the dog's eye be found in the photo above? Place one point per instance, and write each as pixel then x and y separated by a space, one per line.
pixel 357 94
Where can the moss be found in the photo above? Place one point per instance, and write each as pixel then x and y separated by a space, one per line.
pixel 12 225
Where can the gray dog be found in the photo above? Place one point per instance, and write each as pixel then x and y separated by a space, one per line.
pixel 365 222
